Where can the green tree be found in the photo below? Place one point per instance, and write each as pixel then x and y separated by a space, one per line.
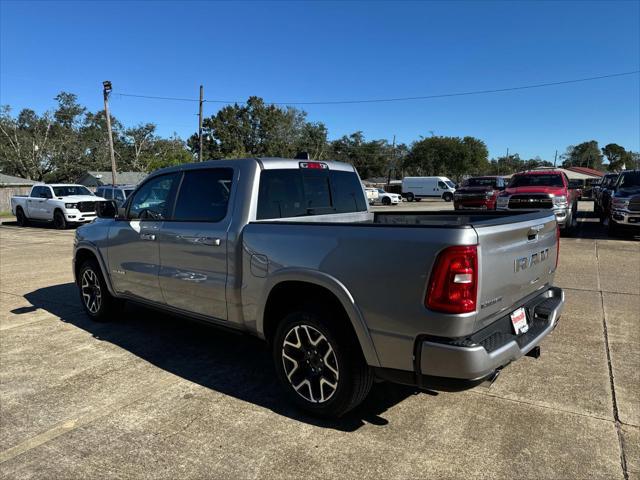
pixel 258 129
pixel 586 154
pixel 451 156
pixel 371 158
pixel 617 156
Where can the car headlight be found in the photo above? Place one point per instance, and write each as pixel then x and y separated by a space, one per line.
pixel 71 205
pixel 620 202
pixel 560 201
pixel 503 201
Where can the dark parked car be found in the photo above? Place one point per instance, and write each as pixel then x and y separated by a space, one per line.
pixel 624 211
pixel 478 193
pixel 601 198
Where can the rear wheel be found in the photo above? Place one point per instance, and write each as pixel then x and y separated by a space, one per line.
pixel 98 303
pixel 21 218
pixel 59 221
pixel 410 197
pixel 447 196
pixel 319 364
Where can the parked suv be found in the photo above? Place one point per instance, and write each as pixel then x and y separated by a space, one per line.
pixel 624 211
pixel 119 193
pixel 478 193
pixel 542 190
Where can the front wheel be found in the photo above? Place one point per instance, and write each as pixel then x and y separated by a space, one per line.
pixel 98 303
pixel 59 221
pixel 386 201
pixel 320 367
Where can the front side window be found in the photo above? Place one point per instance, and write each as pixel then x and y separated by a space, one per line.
pixel 441 184
pixel 118 195
pixel 152 200
pixel 108 193
pixel 204 195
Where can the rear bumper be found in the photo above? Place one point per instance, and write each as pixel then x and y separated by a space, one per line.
pixel 458 364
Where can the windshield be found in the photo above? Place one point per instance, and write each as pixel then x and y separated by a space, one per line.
pixel 69 190
pixel 630 180
pixel 536 181
pixel 381 190
pixel 450 183
pixel 480 182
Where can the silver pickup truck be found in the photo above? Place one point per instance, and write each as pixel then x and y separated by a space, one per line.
pixel 286 250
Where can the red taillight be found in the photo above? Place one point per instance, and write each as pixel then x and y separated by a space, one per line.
pixel 557 245
pixel 453 287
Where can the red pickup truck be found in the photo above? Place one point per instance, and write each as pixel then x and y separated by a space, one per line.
pixel 478 193
pixel 542 190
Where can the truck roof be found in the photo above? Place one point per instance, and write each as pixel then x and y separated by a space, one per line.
pixel 539 172
pixel 266 163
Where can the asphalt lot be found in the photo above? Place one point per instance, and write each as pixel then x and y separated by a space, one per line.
pixel 154 396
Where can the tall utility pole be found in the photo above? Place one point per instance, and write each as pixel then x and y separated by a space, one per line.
pixel 200 123
pixel 393 160
pixel 555 158
pixel 106 91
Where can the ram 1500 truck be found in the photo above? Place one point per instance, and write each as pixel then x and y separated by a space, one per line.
pixel 478 193
pixel 542 189
pixel 61 204
pixel 285 250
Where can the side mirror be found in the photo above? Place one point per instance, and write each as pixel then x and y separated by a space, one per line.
pixel 106 209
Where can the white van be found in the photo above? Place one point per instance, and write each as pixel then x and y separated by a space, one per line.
pixel 415 188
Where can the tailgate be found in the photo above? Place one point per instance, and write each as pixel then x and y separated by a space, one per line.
pixel 515 260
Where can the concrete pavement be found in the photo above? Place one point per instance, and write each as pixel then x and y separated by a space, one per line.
pixel 154 396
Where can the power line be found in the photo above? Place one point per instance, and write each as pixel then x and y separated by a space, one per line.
pixel 396 99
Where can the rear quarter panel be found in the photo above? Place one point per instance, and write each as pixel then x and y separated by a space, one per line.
pixel 384 269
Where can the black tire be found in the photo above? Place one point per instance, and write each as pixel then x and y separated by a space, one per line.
pixel 447 196
pixel 410 197
pixel 93 288
pixel 21 218
pixel 386 201
pixel 612 229
pixel 347 378
pixel 59 221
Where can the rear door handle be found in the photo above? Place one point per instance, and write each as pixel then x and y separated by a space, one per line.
pixel 147 236
pixel 211 241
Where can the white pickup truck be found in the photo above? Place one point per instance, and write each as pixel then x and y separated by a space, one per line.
pixel 61 204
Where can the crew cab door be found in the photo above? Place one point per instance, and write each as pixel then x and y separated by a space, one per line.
pixel 36 202
pixel 193 243
pixel 134 252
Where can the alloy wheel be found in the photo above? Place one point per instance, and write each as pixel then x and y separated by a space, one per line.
pixel 310 363
pixel 91 291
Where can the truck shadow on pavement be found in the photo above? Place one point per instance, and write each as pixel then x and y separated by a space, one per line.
pixel 234 364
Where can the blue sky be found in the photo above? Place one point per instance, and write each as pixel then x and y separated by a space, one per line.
pixel 315 51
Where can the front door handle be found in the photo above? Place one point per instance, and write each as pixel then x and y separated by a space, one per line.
pixel 147 236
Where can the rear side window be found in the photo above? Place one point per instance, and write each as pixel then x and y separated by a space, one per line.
pixel 294 193
pixel 204 195
pixel 118 195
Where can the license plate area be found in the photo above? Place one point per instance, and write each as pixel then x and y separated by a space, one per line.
pixel 519 321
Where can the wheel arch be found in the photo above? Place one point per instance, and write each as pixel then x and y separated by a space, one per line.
pixel 323 287
pixel 86 252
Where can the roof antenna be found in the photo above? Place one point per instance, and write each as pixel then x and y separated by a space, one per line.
pixel 302 156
